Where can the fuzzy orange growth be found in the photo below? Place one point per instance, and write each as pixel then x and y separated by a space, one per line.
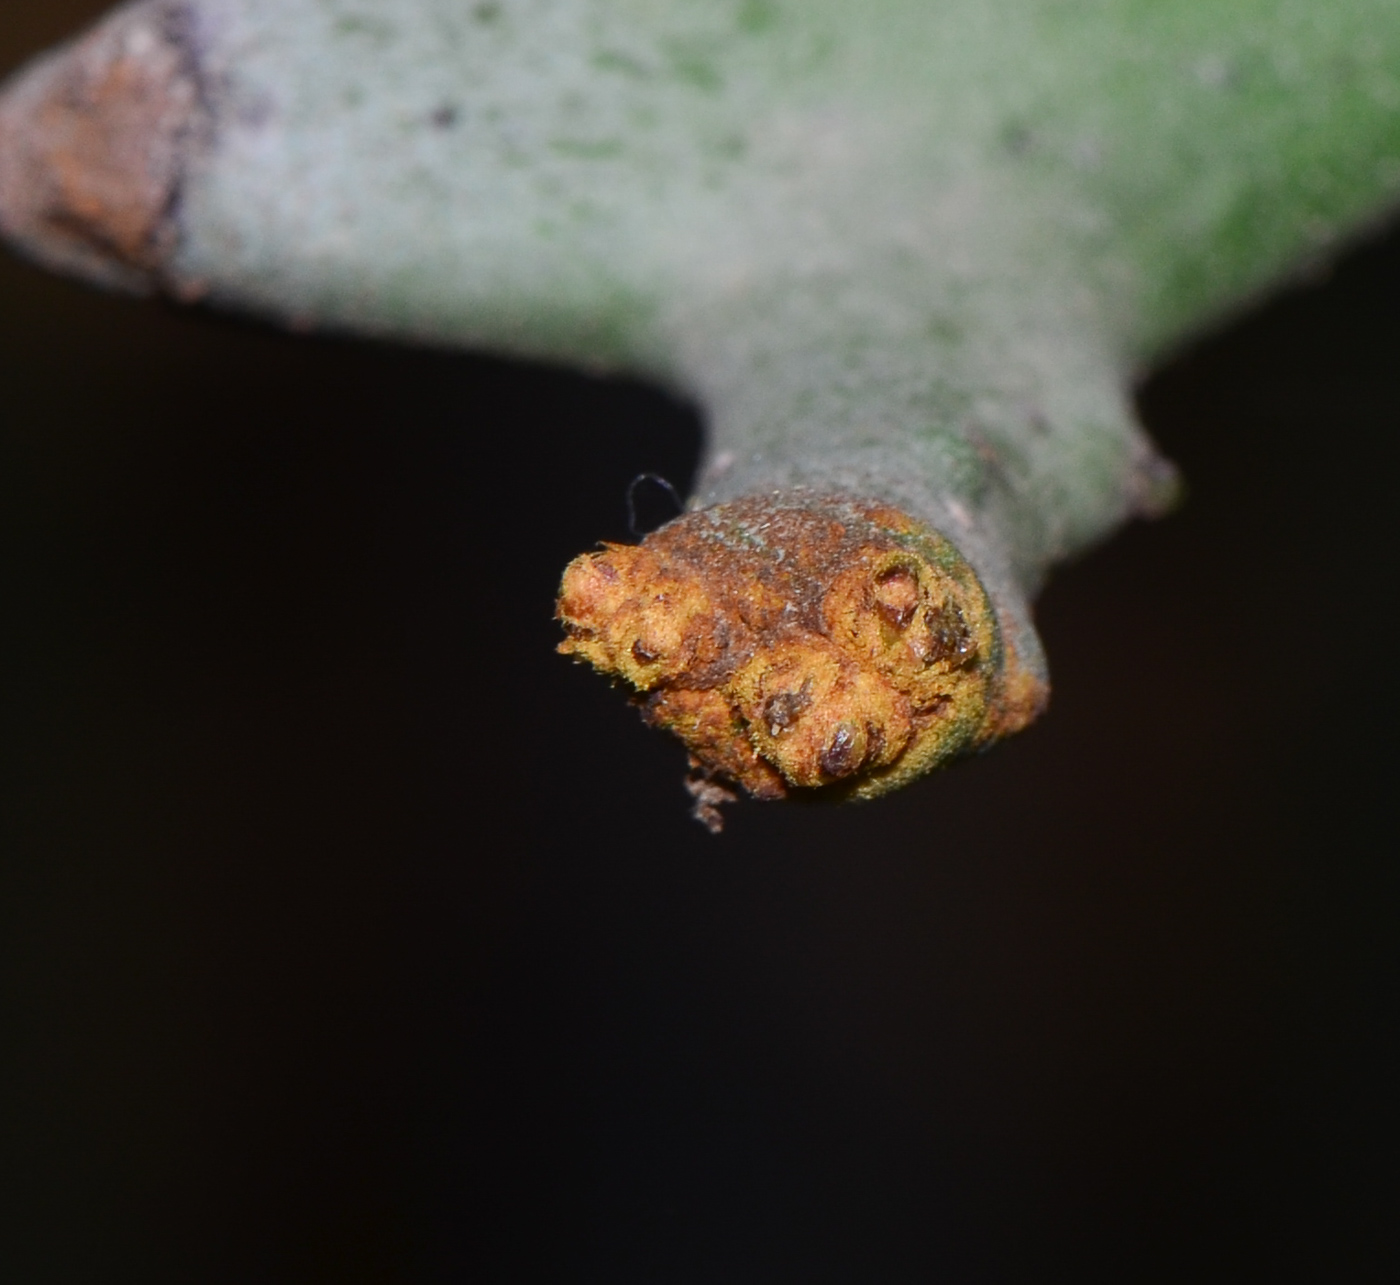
pixel 800 642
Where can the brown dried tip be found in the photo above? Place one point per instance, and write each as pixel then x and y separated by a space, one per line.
pixel 94 142
pixel 800 642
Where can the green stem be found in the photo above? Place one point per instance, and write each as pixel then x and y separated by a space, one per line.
pixel 904 252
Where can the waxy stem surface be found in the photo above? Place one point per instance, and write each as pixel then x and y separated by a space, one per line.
pixel 908 257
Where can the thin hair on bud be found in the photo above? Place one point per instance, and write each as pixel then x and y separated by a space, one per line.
pixel 632 524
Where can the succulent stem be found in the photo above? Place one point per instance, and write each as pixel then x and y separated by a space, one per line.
pixel 909 257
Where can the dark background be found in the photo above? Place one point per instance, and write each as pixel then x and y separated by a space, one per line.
pixel 350 935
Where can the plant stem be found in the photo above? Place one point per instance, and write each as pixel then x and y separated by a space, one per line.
pixel 905 254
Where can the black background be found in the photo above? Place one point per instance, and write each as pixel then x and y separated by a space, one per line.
pixel 351 935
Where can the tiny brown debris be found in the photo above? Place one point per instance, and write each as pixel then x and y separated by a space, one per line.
pixel 949 638
pixel 709 796
pixel 897 596
pixel 845 753
pixel 780 712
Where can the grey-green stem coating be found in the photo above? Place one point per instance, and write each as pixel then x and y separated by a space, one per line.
pixel 910 250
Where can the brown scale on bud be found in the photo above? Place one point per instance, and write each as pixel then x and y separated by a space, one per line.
pixel 896 595
pixel 800 642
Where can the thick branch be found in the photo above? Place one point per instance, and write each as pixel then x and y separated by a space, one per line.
pixel 907 255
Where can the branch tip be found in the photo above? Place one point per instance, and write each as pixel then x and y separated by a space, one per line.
pixel 797 642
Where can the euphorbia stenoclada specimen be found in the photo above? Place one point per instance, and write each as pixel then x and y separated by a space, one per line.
pixel 907 254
